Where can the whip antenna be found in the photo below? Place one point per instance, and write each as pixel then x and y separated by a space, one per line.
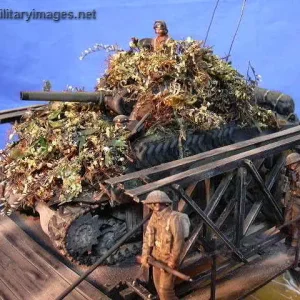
pixel 241 16
pixel 211 20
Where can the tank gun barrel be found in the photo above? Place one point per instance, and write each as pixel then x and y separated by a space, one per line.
pixel 103 98
pixel 65 96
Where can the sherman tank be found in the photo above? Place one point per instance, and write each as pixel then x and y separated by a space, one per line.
pixel 184 100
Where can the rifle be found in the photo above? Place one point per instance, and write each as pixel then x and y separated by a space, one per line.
pixel 163 266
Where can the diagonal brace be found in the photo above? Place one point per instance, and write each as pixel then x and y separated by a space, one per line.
pixel 248 163
pixel 208 222
pixel 240 205
pixel 270 180
pixel 226 212
pixel 214 201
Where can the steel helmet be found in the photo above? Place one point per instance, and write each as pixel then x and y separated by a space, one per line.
pixel 292 158
pixel 162 25
pixel 157 197
pixel 120 119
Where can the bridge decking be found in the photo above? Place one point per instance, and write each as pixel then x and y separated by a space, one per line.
pixel 27 271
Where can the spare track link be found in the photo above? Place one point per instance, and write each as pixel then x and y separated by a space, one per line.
pixel 151 153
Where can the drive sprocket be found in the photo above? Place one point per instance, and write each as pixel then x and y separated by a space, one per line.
pixel 83 235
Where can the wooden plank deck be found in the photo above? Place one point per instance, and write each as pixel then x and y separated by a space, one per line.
pixel 27 271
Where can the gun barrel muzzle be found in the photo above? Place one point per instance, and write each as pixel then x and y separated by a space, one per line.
pixel 64 96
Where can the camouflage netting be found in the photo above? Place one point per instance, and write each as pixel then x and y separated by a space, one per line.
pixel 64 147
pixel 60 150
pixel 185 80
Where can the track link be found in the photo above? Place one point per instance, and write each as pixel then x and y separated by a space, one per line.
pixel 108 230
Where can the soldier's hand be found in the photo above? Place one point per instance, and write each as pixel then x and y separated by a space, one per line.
pixel 133 42
pixel 144 261
pixel 171 265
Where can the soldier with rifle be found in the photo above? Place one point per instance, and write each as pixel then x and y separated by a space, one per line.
pixel 292 198
pixel 164 240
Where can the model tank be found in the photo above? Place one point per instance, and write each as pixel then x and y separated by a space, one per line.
pixel 152 106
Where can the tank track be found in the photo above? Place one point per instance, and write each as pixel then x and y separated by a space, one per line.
pixel 124 252
pixel 151 153
pixel 61 223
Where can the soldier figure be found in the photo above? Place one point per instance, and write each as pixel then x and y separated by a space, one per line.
pixel 292 199
pixel 120 121
pixel 164 240
pixel 162 38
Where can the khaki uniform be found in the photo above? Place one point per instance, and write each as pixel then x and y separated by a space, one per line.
pixel 293 207
pixel 158 42
pixel 164 240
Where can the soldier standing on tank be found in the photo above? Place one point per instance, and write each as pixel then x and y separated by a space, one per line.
pixel 157 43
pixel 162 37
pixel 292 199
pixel 164 241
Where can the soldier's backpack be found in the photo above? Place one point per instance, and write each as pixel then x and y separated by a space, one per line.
pixel 184 219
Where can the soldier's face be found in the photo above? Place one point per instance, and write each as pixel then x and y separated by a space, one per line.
pixel 294 166
pixel 159 31
pixel 156 207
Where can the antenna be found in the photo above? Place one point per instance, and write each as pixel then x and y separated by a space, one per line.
pixel 241 16
pixel 211 20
